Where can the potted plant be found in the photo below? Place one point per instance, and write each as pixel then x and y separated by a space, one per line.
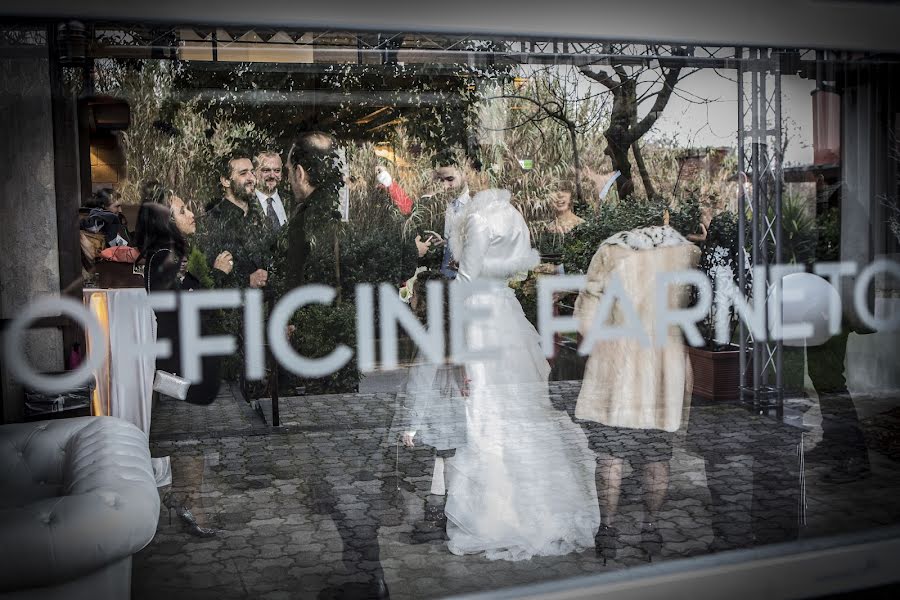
pixel 717 366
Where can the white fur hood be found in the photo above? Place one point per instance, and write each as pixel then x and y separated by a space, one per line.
pixel 504 244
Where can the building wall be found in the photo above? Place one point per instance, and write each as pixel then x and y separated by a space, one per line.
pixel 107 162
pixel 870 109
pixel 29 263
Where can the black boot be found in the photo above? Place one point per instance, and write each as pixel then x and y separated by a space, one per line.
pixel 651 540
pixel 606 542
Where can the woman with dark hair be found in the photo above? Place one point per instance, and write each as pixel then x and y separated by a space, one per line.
pixel 163 225
pixel 164 222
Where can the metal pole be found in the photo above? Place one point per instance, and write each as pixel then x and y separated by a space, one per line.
pixel 779 232
pixel 754 198
pixel 762 202
pixel 742 214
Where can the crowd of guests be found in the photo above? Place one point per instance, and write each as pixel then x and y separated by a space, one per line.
pixel 255 233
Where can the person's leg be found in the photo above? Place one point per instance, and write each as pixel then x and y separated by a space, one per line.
pixel 655 483
pixel 609 486
pixel 730 485
pixel 609 489
pixel 843 443
pixel 777 507
pixel 436 500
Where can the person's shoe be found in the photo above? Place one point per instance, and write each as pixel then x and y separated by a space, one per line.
pixel 651 540
pixel 173 504
pixel 381 589
pixel 434 510
pixel 606 542
pixel 848 471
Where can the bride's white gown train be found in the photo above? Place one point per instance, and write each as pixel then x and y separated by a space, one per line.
pixel 523 485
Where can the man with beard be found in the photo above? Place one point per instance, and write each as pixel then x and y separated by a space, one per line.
pixel 234 223
pixel 452 183
pixel 315 178
pixel 268 177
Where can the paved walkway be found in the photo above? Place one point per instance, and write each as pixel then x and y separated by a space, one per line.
pixel 322 505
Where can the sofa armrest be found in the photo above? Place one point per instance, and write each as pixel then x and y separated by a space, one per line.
pixel 108 509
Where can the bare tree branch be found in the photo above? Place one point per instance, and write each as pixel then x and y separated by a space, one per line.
pixel 662 98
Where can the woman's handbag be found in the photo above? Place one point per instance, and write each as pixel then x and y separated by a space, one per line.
pixel 170 384
pixel 164 382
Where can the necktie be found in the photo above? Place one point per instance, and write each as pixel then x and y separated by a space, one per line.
pixel 272 215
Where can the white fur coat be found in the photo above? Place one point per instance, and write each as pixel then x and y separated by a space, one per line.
pixel 627 384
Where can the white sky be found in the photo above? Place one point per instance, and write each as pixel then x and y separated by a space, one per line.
pixel 715 124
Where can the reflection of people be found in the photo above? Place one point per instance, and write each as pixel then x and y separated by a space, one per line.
pixel 430 407
pixel 398 196
pixel 452 180
pixel 315 180
pixel 843 447
pixel 635 392
pixel 268 177
pixel 106 210
pixel 315 177
pixel 564 220
pixel 236 223
pixel 523 484
pixel 163 224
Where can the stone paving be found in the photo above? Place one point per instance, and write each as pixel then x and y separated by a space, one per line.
pixel 322 505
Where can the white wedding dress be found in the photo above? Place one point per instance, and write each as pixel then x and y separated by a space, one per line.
pixel 523 484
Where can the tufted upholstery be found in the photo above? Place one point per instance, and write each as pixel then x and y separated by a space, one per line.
pixel 76 496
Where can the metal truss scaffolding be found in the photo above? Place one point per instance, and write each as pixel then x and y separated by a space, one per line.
pixel 760 160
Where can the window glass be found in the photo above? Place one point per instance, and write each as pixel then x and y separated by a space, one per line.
pixel 413 315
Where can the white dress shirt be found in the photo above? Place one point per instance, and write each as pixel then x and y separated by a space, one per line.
pixel 452 218
pixel 276 202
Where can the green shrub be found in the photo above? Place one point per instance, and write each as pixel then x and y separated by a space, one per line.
pixel 718 252
pixel 828 232
pixel 319 329
pixel 582 242
pixel 798 232
pixel 199 267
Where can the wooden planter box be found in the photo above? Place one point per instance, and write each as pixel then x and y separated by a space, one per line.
pixel 717 375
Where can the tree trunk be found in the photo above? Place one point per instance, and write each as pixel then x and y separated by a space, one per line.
pixel 642 169
pixel 576 160
pixel 337 266
pixel 619 134
pixel 618 153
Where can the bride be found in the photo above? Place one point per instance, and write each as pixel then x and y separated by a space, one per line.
pixel 523 485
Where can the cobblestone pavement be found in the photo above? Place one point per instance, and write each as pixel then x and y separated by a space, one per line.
pixel 327 503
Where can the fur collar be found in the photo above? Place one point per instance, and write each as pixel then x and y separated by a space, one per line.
pixel 646 238
pixel 482 202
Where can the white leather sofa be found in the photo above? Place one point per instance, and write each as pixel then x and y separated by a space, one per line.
pixel 77 500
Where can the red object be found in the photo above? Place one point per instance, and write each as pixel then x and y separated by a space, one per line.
pixel 399 198
pixel 826 127
pixel 74 358
pixel 122 254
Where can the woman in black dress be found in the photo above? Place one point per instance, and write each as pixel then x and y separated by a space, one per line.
pixel 164 223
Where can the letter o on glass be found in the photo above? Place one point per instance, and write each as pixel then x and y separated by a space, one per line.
pixel 14 356
pixel 861 288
